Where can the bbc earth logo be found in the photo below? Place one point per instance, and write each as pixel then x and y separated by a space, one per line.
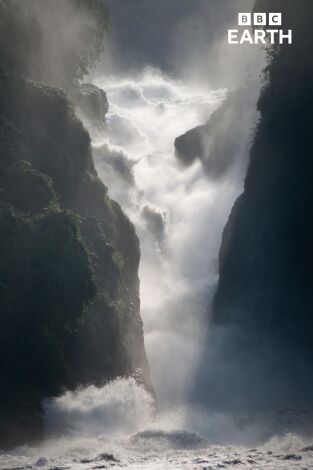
pixel 266 29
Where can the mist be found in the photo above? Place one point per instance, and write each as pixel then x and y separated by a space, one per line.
pixel 181 38
pixel 66 38
pixel 180 207
pixel 179 211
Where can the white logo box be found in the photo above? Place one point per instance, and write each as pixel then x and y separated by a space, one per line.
pixel 259 19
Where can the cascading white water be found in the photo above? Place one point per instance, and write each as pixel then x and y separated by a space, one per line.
pixel 179 215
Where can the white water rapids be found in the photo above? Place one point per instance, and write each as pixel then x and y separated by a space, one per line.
pixel 179 215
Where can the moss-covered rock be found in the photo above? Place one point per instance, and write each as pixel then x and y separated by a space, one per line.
pixel 69 288
pixel 27 189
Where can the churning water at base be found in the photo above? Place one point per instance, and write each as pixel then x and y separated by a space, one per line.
pixel 116 427
pixel 179 214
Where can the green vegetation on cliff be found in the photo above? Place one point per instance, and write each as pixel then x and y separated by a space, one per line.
pixel 69 288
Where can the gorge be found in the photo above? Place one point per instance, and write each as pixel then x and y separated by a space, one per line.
pixel 125 341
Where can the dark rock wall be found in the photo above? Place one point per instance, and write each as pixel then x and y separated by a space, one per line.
pixel 265 288
pixel 69 287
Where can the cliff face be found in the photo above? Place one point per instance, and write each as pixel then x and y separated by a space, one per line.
pixel 69 288
pixel 265 286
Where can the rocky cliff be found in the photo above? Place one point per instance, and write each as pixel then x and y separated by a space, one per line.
pixel 265 286
pixel 69 288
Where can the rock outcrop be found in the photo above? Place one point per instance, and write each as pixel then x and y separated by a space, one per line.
pixel 223 142
pixel 91 103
